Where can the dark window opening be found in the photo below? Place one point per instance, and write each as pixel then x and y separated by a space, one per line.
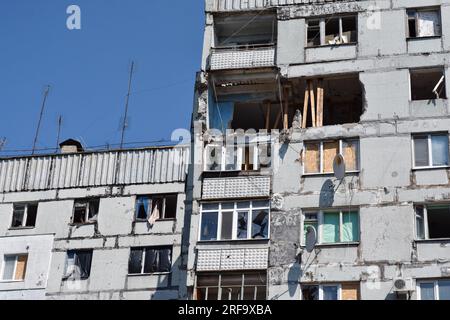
pixel 438 222
pixel 78 264
pixel 157 207
pixel 335 31
pixel 150 260
pixel 424 23
pixel 310 292
pixel 313 33
pixel 245 30
pixel 85 211
pixel 24 215
pixel 428 84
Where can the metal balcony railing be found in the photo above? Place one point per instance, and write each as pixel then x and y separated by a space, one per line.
pixel 242 57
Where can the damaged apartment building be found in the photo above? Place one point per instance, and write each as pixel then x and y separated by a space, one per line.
pixel 321 151
pixel 93 225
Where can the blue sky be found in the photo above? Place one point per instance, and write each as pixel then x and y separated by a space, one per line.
pixel 88 69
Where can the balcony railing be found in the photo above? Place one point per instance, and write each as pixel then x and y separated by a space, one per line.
pixel 225 58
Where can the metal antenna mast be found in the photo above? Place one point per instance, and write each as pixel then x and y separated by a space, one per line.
pixel 59 133
pixel 126 104
pixel 47 89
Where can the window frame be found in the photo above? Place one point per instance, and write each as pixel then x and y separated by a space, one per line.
pixel 86 203
pixel 430 150
pixel 416 11
pixel 321 287
pixel 321 164
pixel 219 284
pixel 16 256
pixel 426 231
pixel 144 253
pixel 66 276
pixel 322 30
pixel 413 71
pixel 235 212
pixel 435 283
pixel 240 157
pixel 25 216
pixel 320 221
pixel 151 198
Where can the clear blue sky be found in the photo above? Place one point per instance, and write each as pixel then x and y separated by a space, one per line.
pixel 88 69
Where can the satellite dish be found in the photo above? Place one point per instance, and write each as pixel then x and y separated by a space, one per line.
pixel 311 238
pixel 339 167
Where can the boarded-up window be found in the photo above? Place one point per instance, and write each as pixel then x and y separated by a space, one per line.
pixel 312 161
pixel 14 267
pixel 350 291
pixel 330 150
pixel 320 156
pixel 350 150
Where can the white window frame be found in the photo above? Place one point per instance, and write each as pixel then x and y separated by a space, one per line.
pixel 240 157
pixel 25 215
pixel 430 150
pixel 16 256
pixel 435 283
pixel 85 202
pixel 242 286
pixel 322 30
pixel 426 230
pixel 144 253
pixel 320 221
pixel 321 166
pixel 416 18
pixel 235 212
pixel 321 286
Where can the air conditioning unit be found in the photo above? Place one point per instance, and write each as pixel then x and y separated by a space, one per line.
pixel 404 285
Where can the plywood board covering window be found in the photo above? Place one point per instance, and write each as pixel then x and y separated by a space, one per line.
pixel 350 291
pixel 312 161
pixel 330 150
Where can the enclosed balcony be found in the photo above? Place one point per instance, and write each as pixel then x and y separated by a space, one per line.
pixel 243 42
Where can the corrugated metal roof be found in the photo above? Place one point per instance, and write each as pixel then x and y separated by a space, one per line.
pixel 238 5
pixel 139 166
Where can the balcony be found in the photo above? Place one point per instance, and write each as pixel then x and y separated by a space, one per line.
pixel 241 5
pixel 242 58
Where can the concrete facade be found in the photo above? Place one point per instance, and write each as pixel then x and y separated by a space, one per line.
pixel 111 237
pixel 386 188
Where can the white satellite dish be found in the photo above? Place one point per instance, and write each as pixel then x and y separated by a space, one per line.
pixel 311 238
pixel 339 167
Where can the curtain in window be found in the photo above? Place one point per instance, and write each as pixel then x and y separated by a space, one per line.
pixel 135 262
pixel 330 227
pixel 427 291
pixel 151 261
pixel 142 205
pixel 350 227
pixel 440 150
pixel 421 151
pixel 165 260
pixel 83 260
pixel 444 290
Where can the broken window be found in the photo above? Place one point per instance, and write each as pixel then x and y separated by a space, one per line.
pixel 333 226
pixel 424 23
pixel 252 220
pixel 232 158
pixel 24 215
pixel 430 150
pixel 232 286
pixel 158 207
pixel 245 30
pixel 433 222
pixel 428 84
pixel 332 31
pixel 319 156
pixel 344 291
pixel 434 289
pixel 14 267
pixel 85 211
pixel 78 266
pixel 150 260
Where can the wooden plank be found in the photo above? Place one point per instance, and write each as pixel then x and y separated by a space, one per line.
pixel 319 121
pixel 350 291
pixel 277 121
pixel 313 103
pixel 286 109
pixel 330 150
pixel 312 158
pixel 269 105
pixel 305 105
pixel 21 267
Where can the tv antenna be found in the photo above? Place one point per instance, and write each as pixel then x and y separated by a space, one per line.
pixel 47 90
pixel 125 120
